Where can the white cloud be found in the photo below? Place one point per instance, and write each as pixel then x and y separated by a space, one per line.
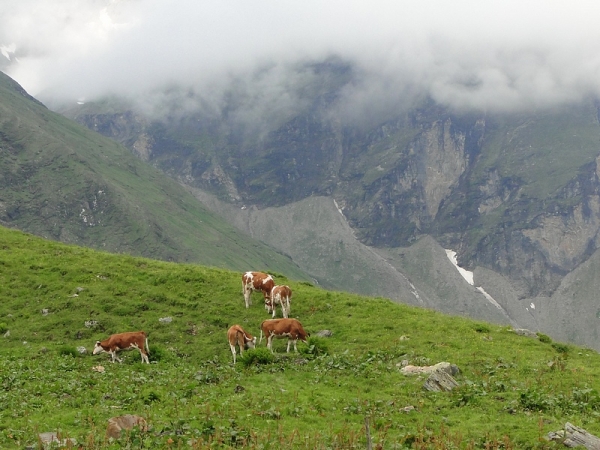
pixel 467 54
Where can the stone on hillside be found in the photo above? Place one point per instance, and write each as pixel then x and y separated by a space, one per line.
pixel 82 350
pixel 45 312
pixel 91 323
pixel 165 320
pixel 126 422
pixel 324 333
pixel 7 334
pixel 525 332
pixel 574 437
pixel 49 439
pixel 440 380
pixel 451 369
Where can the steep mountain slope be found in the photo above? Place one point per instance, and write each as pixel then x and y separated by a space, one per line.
pixel 515 193
pixel 314 233
pixel 61 181
pixel 512 390
pixel 517 196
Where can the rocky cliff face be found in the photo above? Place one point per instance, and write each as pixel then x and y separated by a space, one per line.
pixel 518 195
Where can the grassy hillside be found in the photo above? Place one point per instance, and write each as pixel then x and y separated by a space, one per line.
pixel 513 390
pixel 61 181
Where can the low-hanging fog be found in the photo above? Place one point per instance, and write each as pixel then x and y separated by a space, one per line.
pixel 464 54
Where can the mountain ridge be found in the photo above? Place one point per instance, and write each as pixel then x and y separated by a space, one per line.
pixel 61 181
pixel 322 235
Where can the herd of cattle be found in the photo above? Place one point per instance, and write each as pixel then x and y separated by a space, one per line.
pixel 273 328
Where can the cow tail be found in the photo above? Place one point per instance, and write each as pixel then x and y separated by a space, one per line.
pixel 260 336
pixel 147 346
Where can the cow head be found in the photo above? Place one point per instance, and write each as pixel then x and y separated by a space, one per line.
pixel 269 305
pixel 97 348
pixel 251 343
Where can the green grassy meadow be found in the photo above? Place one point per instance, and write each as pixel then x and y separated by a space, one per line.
pixel 513 389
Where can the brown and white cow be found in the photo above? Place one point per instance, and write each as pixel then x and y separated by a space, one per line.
pixel 237 335
pixel 280 295
pixel 281 328
pixel 256 281
pixel 124 341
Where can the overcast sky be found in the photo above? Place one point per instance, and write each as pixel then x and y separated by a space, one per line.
pixel 471 53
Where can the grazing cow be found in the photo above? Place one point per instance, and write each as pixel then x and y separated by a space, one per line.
pixel 124 341
pixel 281 328
pixel 237 335
pixel 256 281
pixel 280 295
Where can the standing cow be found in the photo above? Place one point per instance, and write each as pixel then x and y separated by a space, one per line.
pixel 124 341
pixel 256 281
pixel 280 295
pixel 282 328
pixel 237 335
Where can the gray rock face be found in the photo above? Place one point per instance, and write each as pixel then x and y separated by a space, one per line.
pixel 498 190
pixel 516 196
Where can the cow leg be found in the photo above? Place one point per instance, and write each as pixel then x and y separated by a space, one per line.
pixel 270 342
pixel 290 340
pixel 144 356
pixel 232 351
pixel 114 356
pixel 247 294
pixel 241 343
pixel 286 310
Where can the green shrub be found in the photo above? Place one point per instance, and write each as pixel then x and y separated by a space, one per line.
pixel 3 328
pixel 544 338
pixel 482 328
pixel 156 353
pixel 560 348
pixel 150 397
pixel 68 351
pixel 316 346
pixel 257 356
pixel 209 376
